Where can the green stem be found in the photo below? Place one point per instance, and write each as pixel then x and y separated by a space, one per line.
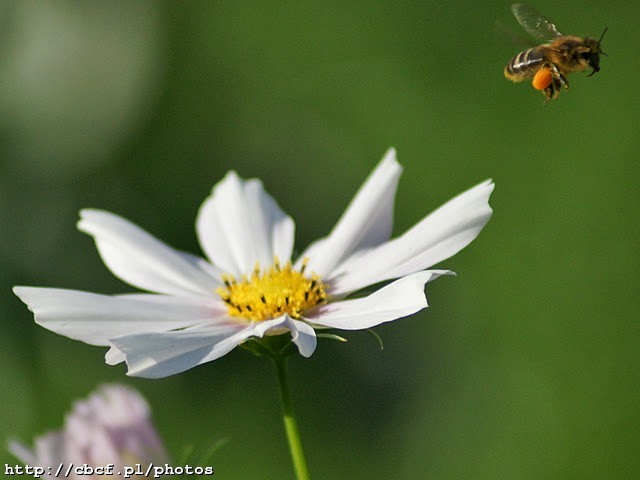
pixel 290 423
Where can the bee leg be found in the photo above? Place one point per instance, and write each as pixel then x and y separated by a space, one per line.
pixel 559 77
pixel 553 90
pixel 557 85
pixel 549 92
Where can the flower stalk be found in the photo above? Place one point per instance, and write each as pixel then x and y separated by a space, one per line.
pixel 290 422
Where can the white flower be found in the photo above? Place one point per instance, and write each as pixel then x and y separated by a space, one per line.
pixel 112 426
pixel 200 310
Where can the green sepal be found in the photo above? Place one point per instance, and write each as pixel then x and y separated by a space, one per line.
pixel 332 336
pixel 270 346
pixel 377 337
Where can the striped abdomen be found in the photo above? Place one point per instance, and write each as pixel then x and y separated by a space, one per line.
pixel 525 64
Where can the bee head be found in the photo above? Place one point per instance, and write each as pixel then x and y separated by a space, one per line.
pixel 592 56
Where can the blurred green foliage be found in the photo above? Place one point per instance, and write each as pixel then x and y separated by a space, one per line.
pixel 526 366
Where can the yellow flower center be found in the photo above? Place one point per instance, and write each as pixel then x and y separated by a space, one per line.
pixel 272 292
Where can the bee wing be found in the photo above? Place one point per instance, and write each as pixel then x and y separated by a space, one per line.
pixel 509 36
pixel 534 22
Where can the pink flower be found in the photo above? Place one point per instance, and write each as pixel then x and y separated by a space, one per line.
pixel 111 427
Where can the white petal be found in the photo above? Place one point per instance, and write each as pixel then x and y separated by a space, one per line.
pixel 437 237
pixel 114 356
pixel 94 318
pixel 48 451
pixel 239 224
pixel 398 299
pixel 367 221
pixel 303 335
pixel 22 452
pixel 157 355
pixel 142 260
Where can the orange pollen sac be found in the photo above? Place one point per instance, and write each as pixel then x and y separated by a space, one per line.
pixel 542 79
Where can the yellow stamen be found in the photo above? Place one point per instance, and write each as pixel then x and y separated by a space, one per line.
pixel 271 293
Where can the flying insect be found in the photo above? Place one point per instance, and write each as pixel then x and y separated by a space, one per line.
pixel 549 64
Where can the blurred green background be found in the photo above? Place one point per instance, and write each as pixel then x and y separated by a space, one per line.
pixel 526 364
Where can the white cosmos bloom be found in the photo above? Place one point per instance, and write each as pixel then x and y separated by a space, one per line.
pixel 250 286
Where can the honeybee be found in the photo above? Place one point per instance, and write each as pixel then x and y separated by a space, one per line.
pixel 550 63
